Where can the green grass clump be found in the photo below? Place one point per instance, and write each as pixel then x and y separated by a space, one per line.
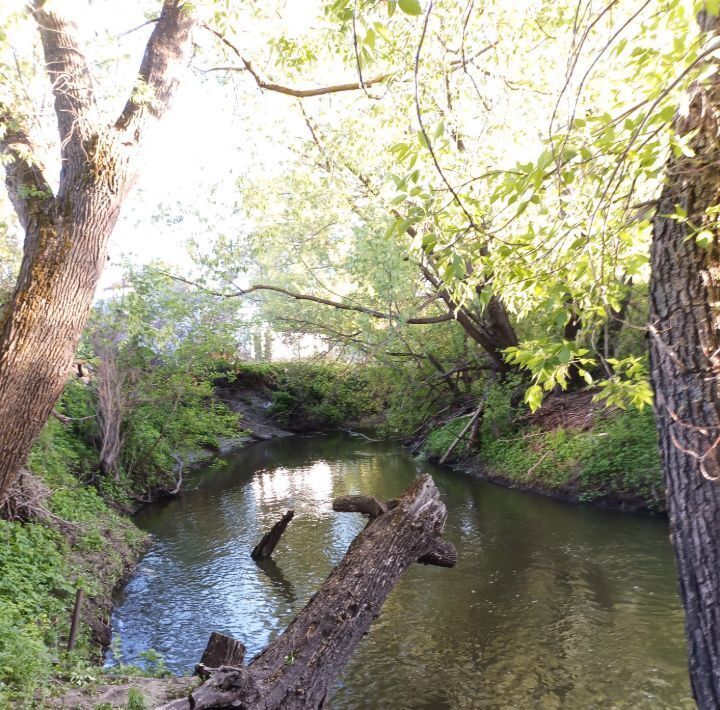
pixel 616 460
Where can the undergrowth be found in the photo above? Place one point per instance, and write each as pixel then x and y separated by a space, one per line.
pixel 84 544
pixel 616 460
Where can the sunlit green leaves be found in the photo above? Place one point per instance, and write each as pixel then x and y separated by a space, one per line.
pixel 629 385
pixel 410 7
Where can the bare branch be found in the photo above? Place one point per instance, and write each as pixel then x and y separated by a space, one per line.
pixel 288 91
pixel 314 299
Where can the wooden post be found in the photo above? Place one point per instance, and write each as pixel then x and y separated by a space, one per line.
pixel 75 623
pixel 270 539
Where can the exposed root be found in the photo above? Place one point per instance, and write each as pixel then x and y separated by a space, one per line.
pixel 25 502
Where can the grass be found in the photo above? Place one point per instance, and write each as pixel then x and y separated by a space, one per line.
pixel 616 460
pixel 85 544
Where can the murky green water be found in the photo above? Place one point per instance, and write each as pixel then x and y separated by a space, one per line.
pixel 550 605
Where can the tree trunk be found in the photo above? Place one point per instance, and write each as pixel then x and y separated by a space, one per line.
pixel 685 364
pixel 296 670
pixel 66 234
pixel 64 256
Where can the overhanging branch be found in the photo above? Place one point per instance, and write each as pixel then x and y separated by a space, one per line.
pixel 427 320
pixel 278 88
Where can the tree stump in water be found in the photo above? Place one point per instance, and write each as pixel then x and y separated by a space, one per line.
pixel 297 668
pixel 270 539
pixel 222 650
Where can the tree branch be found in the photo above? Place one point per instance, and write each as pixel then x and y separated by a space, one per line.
pixel 315 299
pixel 71 82
pixel 27 187
pixel 167 50
pixel 288 91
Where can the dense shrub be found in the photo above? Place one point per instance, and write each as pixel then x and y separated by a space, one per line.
pixel 327 395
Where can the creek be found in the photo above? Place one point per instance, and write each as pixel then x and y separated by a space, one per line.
pixel 551 605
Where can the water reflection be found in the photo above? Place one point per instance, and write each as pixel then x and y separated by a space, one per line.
pixel 550 606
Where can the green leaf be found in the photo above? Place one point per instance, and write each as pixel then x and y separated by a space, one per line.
pixel 533 397
pixel 410 7
pixel 565 355
pixel 704 237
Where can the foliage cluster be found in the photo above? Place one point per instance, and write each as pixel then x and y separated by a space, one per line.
pixel 324 394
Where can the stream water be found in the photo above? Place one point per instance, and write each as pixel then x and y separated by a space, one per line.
pixel 550 606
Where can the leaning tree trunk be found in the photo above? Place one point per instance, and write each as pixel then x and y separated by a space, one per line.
pixel 297 668
pixel 685 365
pixel 66 234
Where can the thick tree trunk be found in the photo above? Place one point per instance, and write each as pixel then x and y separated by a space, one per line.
pixel 64 256
pixel 66 234
pixel 685 365
pixel 296 670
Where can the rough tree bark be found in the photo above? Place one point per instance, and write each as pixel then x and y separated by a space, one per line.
pixel 297 668
pixel 66 233
pixel 685 365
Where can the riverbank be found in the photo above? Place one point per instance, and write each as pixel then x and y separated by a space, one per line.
pixel 76 533
pixel 572 449
pixel 71 539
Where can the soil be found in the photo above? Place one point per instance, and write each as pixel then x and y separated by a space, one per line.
pixel 155 692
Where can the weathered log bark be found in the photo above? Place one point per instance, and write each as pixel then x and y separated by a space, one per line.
pixel 296 670
pixel 221 650
pixel 270 539
pixel 685 366
pixel 367 505
pixel 66 234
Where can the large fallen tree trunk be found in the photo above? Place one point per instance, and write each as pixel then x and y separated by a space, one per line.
pixel 297 668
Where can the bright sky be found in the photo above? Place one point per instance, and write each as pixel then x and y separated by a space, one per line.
pixel 213 135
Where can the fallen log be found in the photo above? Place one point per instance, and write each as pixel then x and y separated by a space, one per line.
pixel 270 539
pixel 367 505
pixel 296 669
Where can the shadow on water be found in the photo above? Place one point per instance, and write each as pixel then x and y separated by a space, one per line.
pixel 275 575
pixel 550 605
